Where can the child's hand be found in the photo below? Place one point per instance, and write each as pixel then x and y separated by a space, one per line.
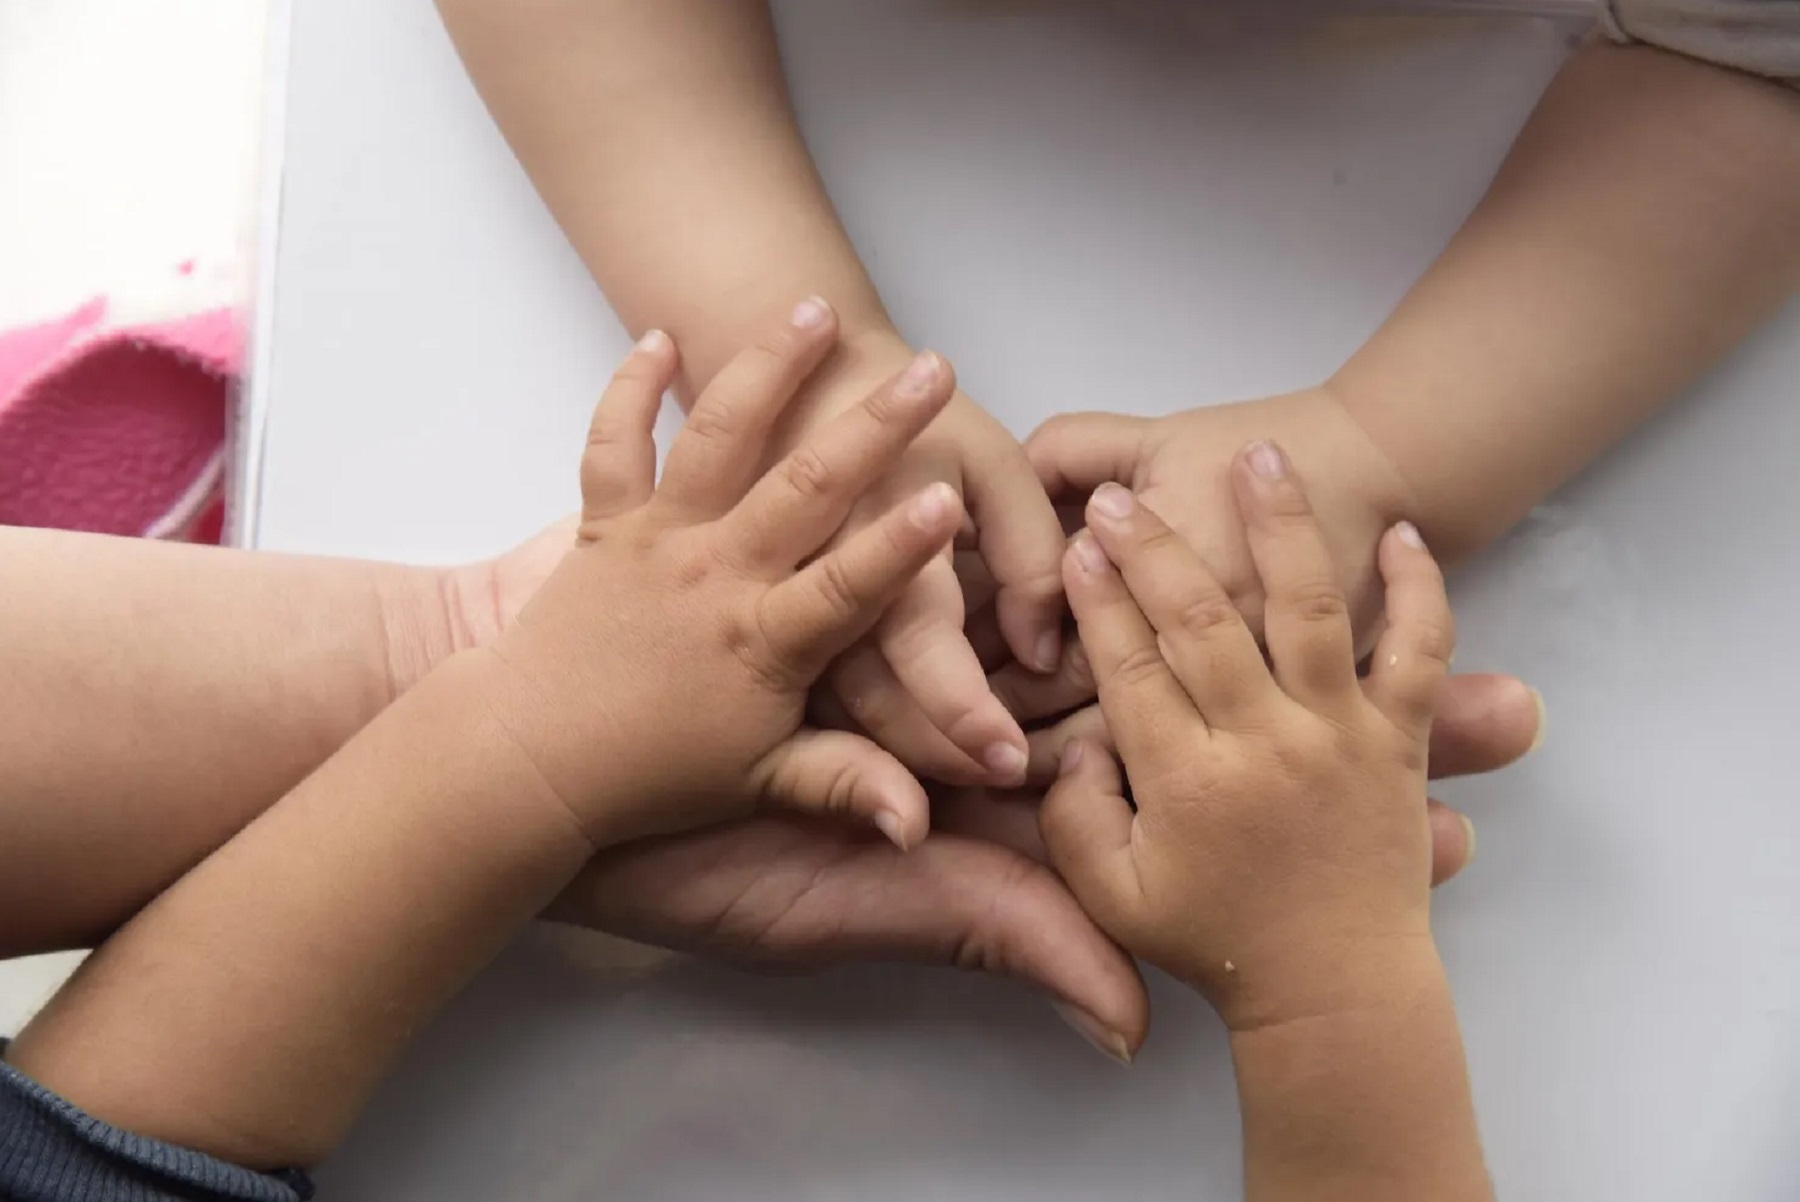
pixel 1279 859
pixel 658 677
pixel 915 684
pixel 1180 466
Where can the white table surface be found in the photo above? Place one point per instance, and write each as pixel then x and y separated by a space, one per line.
pixel 1021 177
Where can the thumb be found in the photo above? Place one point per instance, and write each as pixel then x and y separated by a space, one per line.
pixel 1483 722
pixel 836 772
pixel 1086 824
pixel 1452 841
pixel 1075 453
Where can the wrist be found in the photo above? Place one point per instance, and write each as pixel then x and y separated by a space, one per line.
pixel 1304 985
pixel 428 614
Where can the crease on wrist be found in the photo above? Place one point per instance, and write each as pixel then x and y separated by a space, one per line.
pixel 1399 495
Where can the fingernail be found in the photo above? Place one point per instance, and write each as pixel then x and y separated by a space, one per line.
pixel 1267 461
pixel 1409 534
pixel 1071 757
pixel 810 313
pixel 1088 553
pixel 1469 837
pixel 919 376
pixel 1048 651
pixel 1004 760
pixel 933 505
pixel 1094 1031
pixel 1537 740
pixel 654 342
pixel 889 824
pixel 1112 500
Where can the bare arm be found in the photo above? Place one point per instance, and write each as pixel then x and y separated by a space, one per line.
pixel 159 696
pixel 1643 224
pixel 1371 1103
pixel 661 137
pixel 282 976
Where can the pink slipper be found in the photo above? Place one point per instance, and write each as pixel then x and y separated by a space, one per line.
pixel 112 418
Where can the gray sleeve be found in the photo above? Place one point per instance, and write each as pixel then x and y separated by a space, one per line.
pixel 1761 37
pixel 52 1152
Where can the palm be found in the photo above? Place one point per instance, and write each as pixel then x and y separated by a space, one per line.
pixel 781 891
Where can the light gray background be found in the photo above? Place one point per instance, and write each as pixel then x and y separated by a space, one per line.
pixel 1086 206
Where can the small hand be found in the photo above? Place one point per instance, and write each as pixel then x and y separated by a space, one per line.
pixel 1278 858
pixel 1180 467
pixel 915 685
pixel 657 679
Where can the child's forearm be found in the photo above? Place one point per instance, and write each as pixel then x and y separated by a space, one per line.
pixel 160 696
pixel 1642 225
pixel 249 1010
pixel 661 137
pixel 1372 1103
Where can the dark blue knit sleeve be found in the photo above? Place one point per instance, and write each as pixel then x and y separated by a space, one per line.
pixel 52 1152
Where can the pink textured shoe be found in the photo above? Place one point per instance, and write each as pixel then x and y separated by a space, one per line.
pixel 112 418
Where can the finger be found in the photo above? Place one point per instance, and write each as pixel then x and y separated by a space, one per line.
pixel 1452 841
pixel 1196 627
pixel 1045 748
pixel 1484 722
pixel 1086 824
pixel 1032 696
pixel 922 639
pixel 719 451
pixel 950 901
pixel 1306 621
pixel 1075 453
pixel 1409 663
pixel 868 694
pixel 1022 543
pixel 978 584
pixel 832 772
pixel 800 503
pixel 618 464
pixel 983 632
pixel 811 617
pixel 1008 817
pixel 1150 714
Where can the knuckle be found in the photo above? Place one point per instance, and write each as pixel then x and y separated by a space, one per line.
pixel 1433 640
pixel 608 432
pixel 1157 538
pixel 808 473
pixel 777 345
pixel 837 590
pixel 1140 666
pixel 1206 614
pixel 1287 507
pixel 1315 599
pixel 883 406
pixel 713 423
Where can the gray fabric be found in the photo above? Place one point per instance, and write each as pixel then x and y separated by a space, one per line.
pixel 1761 37
pixel 52 1152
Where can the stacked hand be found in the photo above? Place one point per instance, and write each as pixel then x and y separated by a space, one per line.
pixel 710 602
pixel 790 891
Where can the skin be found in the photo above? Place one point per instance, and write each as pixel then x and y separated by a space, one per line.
pixel 662 139
pixel 1277 858
pixel 1640 227
pixel 283 975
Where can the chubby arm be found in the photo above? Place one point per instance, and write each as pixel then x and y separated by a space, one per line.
pixel 160 696
pixel 1371 1103
pixel 661 137
pixel 1643 224
pixel 283 975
